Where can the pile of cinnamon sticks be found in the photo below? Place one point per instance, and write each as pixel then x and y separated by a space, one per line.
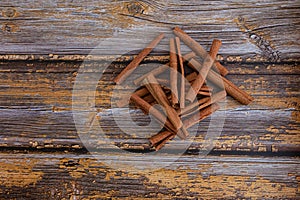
pixel 184 107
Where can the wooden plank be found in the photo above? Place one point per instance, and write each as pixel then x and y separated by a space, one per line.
pixel 75 27
pixel 244 131
pixel 54 91
pixel 36 103
pixel 72 176
pixel 49 85
pixel 62 66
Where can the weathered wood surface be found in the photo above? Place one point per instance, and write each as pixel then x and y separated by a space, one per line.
pixel 49 85
pixel 36 103
pixel 265 29
pixel 43 44
pixel 73 176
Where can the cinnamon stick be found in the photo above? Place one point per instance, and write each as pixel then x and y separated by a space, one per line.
pixel 182 80
pixel 204 93
pixel 143 92
pixel 206 88
pixel 155 72
pixel 217 66
pixel 123 101
pixel 159 95
pixel 157 138
pixel 221 82
pixel 207 64
pixel 199 116
pixel 202 103
pixel 138 59
pixel 190 78
pixel 188 56
pixel 173 73
pixel 163 142
pixel 158 70
pixel 164 137
pixel 150 99
pixel 160 118
pixel 198 49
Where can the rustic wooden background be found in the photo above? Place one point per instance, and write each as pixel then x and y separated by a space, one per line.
pixel 43 44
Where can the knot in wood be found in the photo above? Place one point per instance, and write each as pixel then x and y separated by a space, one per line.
pixel 135 8
pixel 9 12
pixel 9 27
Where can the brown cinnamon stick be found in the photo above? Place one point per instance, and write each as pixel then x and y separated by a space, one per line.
pixel 150 99
pixel 206 88
pixel 204 93
pixel 164 137
pixel 198 49
pixel 221 82
pixel 202 103
pixel 163 142
pixel 157 138
pixel 143 92
pixel 159 95
pixel 190 78
pixel 182 80
pixel 158 70
pixel 173 73
pixel 155 72
pixel 160 118
pixel 201 115
pixel 207 64
pixel 188 56
pixel 138 59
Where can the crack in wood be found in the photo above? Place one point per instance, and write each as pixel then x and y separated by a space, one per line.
pixel 266 48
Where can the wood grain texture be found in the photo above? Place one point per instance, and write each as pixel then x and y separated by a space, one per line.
pixel 43 45
pixel 274 132
pixel 33 85
pixel 73 27
pixel 72 176
pixel 36 103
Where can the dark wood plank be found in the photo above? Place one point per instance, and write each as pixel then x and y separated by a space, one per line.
pixel 244 131
pixel 73 27
pixel 69 66
pixel 71 176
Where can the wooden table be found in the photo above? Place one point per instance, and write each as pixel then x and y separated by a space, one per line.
pixel 43 45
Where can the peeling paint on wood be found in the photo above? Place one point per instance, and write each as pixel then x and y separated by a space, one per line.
pixel 66 176
pixel 19 174
pixel 43 44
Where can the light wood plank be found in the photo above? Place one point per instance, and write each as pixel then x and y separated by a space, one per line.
pixel 75 27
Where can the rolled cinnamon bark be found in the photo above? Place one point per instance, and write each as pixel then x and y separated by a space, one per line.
pixel 221 82
pixel 182 77
pixel 202 103
pixel 160 118
pixel 207 64
pixel 160 139
pixel 198 49
pixel 138 59
pixel 173 73
pixel 201 115
pixel 159 95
